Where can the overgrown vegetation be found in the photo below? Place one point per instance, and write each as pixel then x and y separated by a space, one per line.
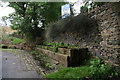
pixel 71 25
pixel 31 18
pixel 42 58
pixel 16 41
pixel 9 38
pixel 61 44
pixel 96 69
pixel 100 70
pixel 54 46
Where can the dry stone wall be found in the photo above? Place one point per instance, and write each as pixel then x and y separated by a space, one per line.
pixel 108 16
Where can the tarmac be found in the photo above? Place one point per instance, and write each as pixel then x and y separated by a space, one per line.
pixel 13 67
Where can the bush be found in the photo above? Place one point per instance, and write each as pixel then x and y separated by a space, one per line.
pixel 99 70
pixel 16 41
pixel 81 24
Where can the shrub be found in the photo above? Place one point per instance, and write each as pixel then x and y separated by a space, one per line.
pixel 81 24
pixel 99 70
pixel 16 41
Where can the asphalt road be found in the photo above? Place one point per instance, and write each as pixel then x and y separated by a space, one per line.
pixel 12 67
pixel 0 65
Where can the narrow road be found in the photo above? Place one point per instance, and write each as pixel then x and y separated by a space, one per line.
pixel 12 67
pixel 0 65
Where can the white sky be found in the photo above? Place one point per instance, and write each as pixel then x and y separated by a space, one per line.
pixel 5 11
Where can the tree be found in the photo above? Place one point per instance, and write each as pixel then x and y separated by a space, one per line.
pixel 51 11
pixel 4 19
pixel 84 9
pixel 29 16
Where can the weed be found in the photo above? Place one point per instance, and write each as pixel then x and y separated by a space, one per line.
pixel 100 70
pixel 42 58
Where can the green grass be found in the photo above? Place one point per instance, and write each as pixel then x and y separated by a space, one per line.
pixel 78 72
pixel 96 69
pixel 16 41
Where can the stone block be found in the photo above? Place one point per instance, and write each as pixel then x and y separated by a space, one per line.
pixel 113 42
pixel 65 51
pixel 4 46
pixel 63 59
pixel 56 56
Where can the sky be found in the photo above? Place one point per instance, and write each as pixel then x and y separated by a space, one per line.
pixel 5 10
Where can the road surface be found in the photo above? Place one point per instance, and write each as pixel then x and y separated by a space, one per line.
pixel 12 67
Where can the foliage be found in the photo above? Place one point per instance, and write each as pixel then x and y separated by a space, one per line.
pixel 54 49
pixel 60 44
pixel 4 19
pixel 44 60
pixel 26 18
pixel 84 9
pixel 97 70
pixel 80 24
pixel 16 40
pixel 54 46
pixel 51 11
pixel 9 38
pixel 31 18
pixel 100 70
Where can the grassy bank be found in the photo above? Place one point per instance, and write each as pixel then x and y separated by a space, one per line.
pixel 95 69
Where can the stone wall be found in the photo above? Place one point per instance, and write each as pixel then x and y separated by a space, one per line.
pixel 57 57
pixel 104 39
pixel 108 16
pixel 75 57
